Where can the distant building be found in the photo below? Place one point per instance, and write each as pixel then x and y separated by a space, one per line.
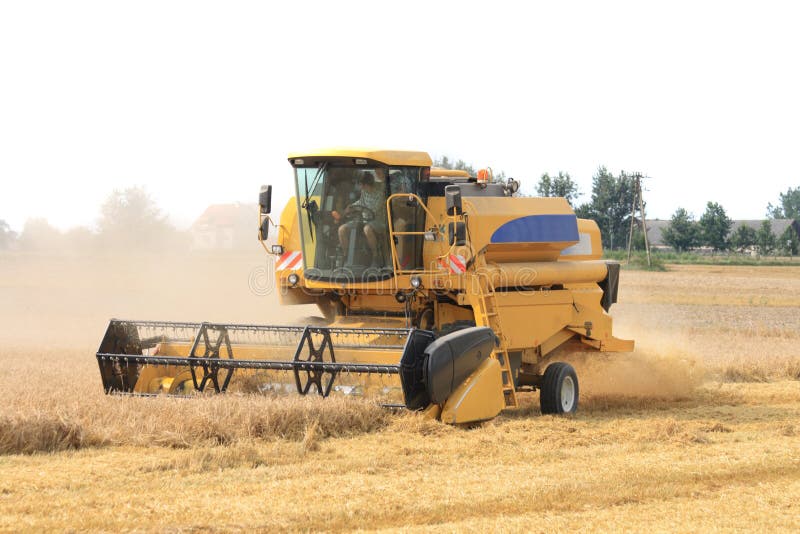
pixel 226 227
pixel 779 226
pixel 656 227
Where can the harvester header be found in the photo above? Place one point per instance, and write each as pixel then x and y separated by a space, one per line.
pixel 439 291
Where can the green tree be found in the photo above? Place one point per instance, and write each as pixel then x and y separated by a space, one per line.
pixel 743 238
pixel 789 243
pixel 461 165
pixel 584 211
pixel 561 185
pixel 682 231
pixel 765 239
pixel 788 206
pixel 130 219
pixel 80 240
pixel 7 236
pixel 715 226
pixel 610 207
pixel 637 243
pixel 38 234
pixel 443 163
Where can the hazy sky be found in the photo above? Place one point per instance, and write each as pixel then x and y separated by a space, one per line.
pixel 201 101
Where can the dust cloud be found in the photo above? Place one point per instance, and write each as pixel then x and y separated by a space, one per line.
pixel 657 369
pixel 62 300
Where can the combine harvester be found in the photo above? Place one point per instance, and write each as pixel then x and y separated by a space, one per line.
pixel 442 292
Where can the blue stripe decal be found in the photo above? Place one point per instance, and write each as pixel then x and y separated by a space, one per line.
pixel 538 229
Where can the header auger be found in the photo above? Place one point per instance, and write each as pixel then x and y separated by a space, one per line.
pixel 442 292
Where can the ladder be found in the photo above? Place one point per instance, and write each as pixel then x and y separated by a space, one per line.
pixel 488 314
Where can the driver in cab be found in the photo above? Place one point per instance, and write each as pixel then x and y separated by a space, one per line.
pixel 370 209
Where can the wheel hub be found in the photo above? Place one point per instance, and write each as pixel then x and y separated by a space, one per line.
pixel 567 393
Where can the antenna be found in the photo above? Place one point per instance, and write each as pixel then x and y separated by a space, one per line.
pixel 638 203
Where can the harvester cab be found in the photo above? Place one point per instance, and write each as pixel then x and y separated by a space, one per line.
pixel 441 291
pixel 344 225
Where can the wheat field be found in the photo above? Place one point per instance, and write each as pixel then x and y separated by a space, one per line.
pixel 699 429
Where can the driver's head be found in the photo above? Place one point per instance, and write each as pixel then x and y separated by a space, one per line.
pixel 367 180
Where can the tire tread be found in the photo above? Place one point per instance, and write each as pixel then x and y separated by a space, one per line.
pixel 550 393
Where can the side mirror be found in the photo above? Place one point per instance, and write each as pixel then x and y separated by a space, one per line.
pixel 263 232
pixel 265 199
pixel 457 232
pixel 452 196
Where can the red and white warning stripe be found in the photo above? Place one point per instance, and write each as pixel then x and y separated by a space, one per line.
pixel 455 263
pixel 289 261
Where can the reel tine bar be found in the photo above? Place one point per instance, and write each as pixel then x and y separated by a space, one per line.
pixel 129 346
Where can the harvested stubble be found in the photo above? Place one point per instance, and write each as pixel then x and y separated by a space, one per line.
pixel 648 451
pixel 73 413
pixel 739 324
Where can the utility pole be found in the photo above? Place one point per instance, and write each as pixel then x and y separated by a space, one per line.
pixel 633 219
pixel 638 202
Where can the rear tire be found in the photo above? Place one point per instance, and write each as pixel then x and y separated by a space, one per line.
pixel 559 391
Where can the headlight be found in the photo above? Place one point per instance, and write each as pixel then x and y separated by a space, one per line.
pixel 293 279
pixel 277 250
pixel 416 282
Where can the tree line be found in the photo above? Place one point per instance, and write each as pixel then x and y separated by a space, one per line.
pixel 129 220
pixel 612 198
pixel 713 229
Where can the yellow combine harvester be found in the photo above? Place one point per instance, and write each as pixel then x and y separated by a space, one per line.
pixel 442 292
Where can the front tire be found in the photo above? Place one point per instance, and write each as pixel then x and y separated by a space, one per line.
pixel 559 391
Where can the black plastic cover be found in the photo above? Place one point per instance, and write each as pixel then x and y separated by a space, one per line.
pixel 265 199
pixel 412 369
pixel 452 358
pixel 263 232
pixel 610 285
pixel 452 198
pixel 457 232
pixel 120 338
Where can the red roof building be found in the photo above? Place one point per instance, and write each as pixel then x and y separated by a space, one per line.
pixel 226 227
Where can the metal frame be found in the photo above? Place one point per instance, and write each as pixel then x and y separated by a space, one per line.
pixel 211 352
pixel 210 355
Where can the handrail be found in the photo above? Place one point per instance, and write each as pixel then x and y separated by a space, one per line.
pixel 392 233
pixel 395 261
